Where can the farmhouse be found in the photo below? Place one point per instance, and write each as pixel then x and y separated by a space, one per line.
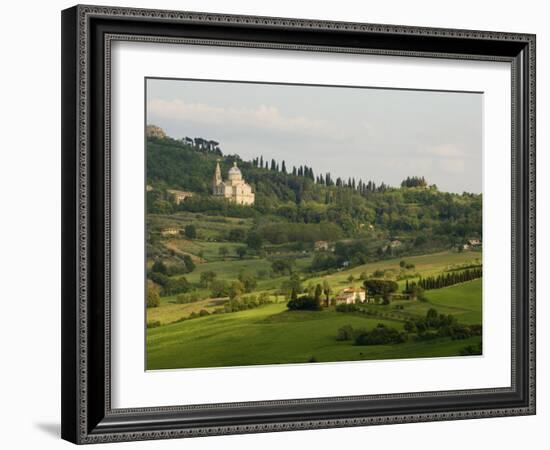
pixel 170 232
pixel 235 189
pixel 321 246
pixel 179 196
pixel 395 243
pixel 350 296
pixel 471 243
pixel 474 242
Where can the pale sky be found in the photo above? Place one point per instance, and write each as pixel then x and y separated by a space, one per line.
pixel 370 134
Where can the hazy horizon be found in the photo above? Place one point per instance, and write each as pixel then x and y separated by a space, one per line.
pixel 373 134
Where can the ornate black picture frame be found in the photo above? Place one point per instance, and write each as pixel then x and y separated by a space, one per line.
pixel 87 34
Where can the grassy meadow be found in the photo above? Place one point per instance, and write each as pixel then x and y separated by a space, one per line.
pixel 197 334
pixel 272 335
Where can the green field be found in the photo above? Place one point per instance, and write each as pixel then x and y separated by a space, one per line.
pixel 273 335
pixel 270 334
pixel 462 301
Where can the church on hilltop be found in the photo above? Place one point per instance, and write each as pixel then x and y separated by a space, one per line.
pixel 235 189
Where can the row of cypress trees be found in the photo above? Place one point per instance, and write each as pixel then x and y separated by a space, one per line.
pixel 450 278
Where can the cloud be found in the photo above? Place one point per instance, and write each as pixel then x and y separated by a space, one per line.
pixel 444 150
pixel 263 117
pixel 452 166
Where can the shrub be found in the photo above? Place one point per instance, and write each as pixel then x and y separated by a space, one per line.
pixel 249 281
pixel 159 267
pixel 159 278
pixel 426 336
pixel 219 288
pixel 254 240
pixel 344 333
pixel 304 303
pixel 282 266
pixel 380 335
pixel 189 264
pixel 153 297
pixel 470 350
pixel 187 298
pixel 207 277
pixel 409 326
pixel 237 235
pixel 264 298
pixel 190 231
pixel 458 332
pixel 236 289
pixel 476 330
pixel 153 324
pixel 347 308
pixel 176 286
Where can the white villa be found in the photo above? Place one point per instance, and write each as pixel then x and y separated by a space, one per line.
pixel 350 296
pixel 235 189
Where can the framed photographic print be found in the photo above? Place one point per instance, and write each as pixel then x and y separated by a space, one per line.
pixel 280 224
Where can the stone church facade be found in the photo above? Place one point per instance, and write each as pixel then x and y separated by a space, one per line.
pixel 235 189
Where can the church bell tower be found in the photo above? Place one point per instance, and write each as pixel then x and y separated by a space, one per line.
pixel 217 180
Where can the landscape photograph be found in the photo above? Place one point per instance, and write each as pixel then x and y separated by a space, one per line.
pixel 302 224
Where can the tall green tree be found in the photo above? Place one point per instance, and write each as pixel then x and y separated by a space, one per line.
pixel 327 290
pixel 190 231
pixel 222 251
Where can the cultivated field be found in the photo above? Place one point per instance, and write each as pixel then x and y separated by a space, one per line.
pixel 271 334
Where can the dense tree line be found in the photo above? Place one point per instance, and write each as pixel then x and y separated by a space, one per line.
pixel 379 335
pixel 449 279
pixel 414 182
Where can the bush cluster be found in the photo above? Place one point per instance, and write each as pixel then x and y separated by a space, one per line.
pixel 436 325
pixel 345 308
pixel 305 302
pixel 379 335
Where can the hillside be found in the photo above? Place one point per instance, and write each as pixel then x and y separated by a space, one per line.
pixel 228 284
pixel 357 209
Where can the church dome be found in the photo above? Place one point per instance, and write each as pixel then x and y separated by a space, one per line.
pixel 234 173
